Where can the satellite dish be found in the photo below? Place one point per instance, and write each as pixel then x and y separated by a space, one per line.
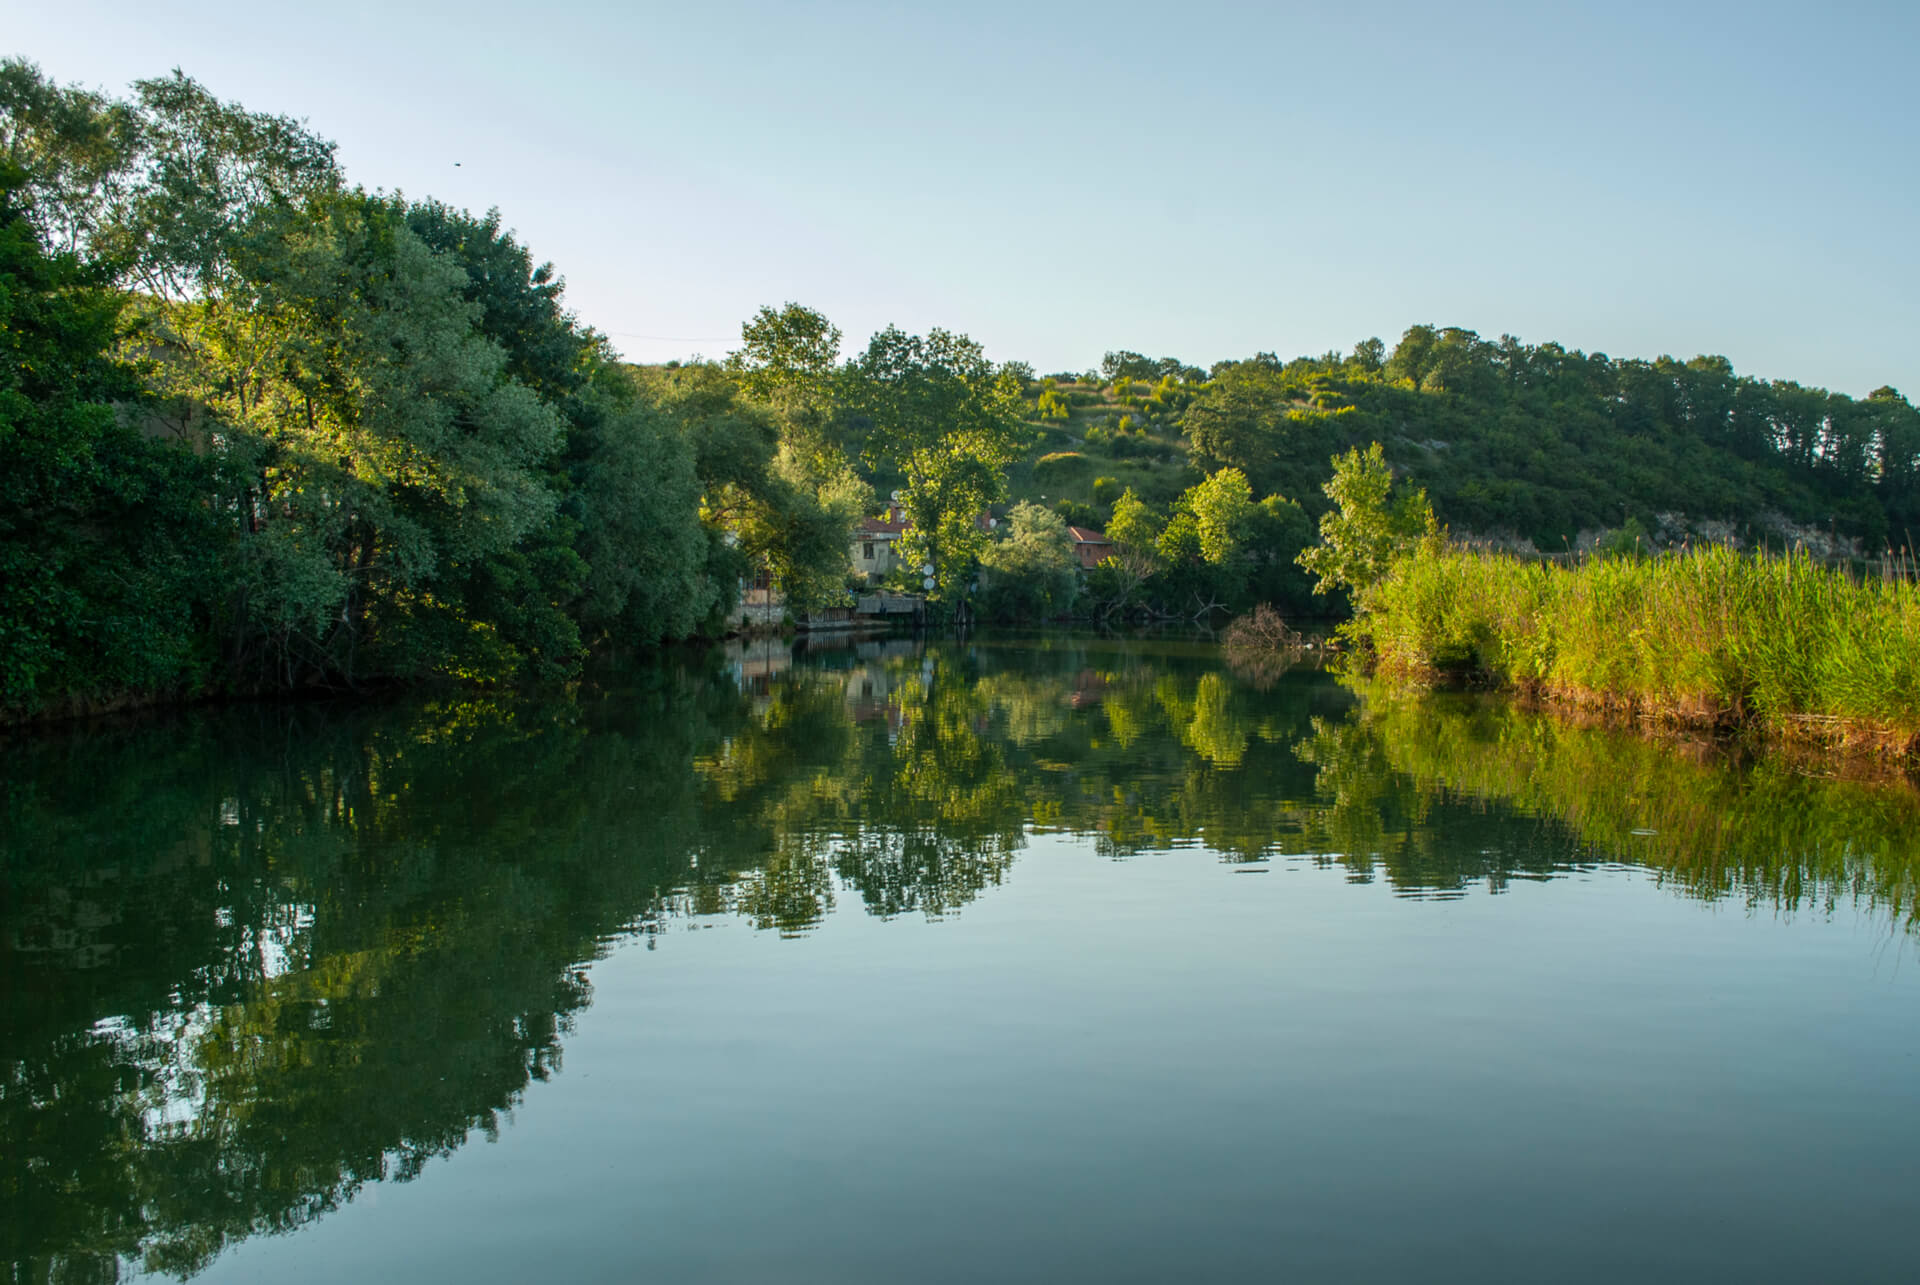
pixel 927 583
pixel 897 495
pixel 926 568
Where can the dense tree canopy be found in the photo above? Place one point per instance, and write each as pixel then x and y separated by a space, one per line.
pixel 106 545
pixel 1368 527
pixel 334 436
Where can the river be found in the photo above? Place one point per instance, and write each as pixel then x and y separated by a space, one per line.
pixel 1049 958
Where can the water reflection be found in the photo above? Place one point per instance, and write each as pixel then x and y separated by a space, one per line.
pixel 1769 832
pixel 254 959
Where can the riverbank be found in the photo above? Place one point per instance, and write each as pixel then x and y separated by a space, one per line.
pixel 1710 639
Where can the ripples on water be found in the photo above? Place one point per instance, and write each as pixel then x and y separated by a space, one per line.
pixel 265 961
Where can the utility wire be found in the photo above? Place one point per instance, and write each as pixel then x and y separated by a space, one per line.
pixel 674 339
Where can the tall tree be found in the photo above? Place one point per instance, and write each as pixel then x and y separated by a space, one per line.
pixel 787 358
pixel 947 420
pixel 1369 525
pixel 787 362
pixel 388 447
pixel 71 150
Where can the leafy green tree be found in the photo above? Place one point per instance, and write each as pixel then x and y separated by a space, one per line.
pixel 1276 531
pixel 70 150
pixel 805 526
pixel 1244 419
pixel 654 571
pixel 787 359
pixel 776 505
pixel 1179 541
pixel 1031 572
pixel 814 499
pixel 1369 526
pixel 387 447
pixel 1134 528
pixel 1628 540
pixel 947 420
pixel 1413 356
pixel 1897 432
pixel 1222 506
pixel 198 177
pixel 1200 557
pixel 1114 587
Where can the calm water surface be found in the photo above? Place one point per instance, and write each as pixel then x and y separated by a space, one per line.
pixel 1013 960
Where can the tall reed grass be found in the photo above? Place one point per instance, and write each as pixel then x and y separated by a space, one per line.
pixel 1700 637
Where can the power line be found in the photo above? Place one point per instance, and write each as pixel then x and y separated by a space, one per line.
pixel 671 339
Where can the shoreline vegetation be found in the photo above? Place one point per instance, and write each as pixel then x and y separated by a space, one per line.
pixel 1712 639
pixel 1709 639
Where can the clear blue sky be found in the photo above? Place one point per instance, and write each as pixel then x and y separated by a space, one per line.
pixel 1201 180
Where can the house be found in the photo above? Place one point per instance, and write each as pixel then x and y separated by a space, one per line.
pixel 1091 547
pixel 761 600
pixel 876 543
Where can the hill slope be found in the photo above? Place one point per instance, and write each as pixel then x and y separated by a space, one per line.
pixel 1515 442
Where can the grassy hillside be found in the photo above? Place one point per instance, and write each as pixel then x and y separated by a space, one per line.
pixel 1095 439
pixel 1519 445
pixel 1544 444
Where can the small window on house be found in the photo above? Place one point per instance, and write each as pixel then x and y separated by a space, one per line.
pixel 866 551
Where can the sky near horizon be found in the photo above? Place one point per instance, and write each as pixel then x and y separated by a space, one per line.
pixel 1202 181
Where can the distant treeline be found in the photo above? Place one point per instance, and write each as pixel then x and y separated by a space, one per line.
pixel 1523 447
pixel 1543 443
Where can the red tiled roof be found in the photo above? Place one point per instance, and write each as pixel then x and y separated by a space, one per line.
pixel 1081 535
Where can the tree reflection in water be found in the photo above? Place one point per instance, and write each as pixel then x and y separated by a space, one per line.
pixel 256 958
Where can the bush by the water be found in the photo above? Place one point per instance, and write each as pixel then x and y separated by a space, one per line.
pixel 1261 631
pixel 1710 636
pixel 1261 646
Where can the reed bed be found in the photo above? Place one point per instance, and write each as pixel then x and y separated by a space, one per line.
pixel 1710 637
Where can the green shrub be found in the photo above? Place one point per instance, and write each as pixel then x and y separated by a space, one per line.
pixel 1061 467
pixel 1029 571
pixel 1074 513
